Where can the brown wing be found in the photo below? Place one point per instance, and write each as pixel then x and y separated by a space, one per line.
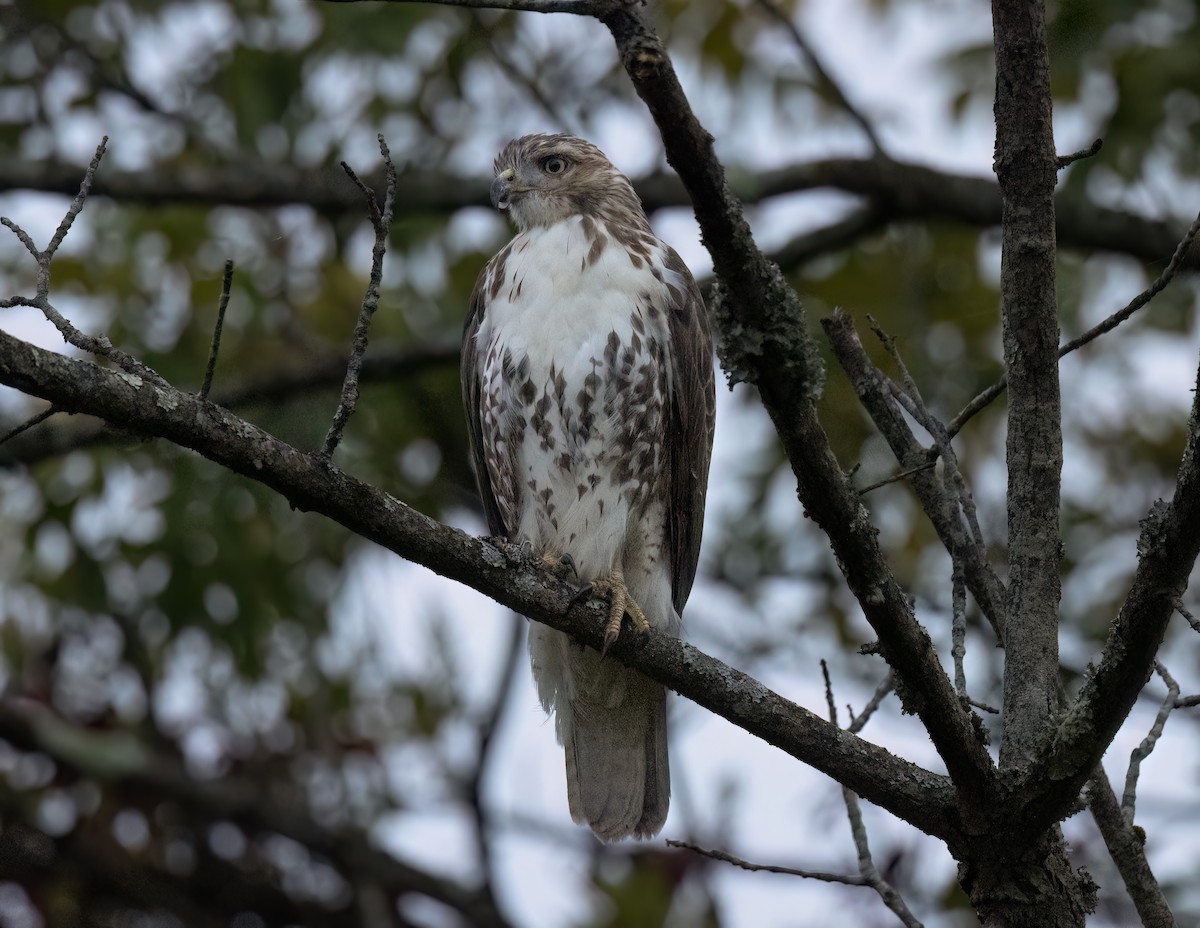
pixel 472 378
pixel 689 429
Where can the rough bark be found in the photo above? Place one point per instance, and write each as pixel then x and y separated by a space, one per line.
pixel 1026 166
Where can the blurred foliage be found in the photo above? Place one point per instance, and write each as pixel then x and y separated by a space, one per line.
pixel 143 589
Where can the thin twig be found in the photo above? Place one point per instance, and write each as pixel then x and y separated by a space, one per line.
pixel 1191 619
pixel 829 701
pixel 97 345
pixel 76 206
pixel 28 424
pixel 215 347
pixel 846 878
pixel 859 722
pixel 1187 702
pixel 381 219
pixel 941 436
pixel 823 76
pixel 1091 151
pixel 529 82
pixel 1142 751
pixel 1181 251
pixel 955 489
pixel 958 624
pixel 866 864
pixel 1142 298
pixel 875 392
pixel 486 744
pixel 895 478
pixel 858 830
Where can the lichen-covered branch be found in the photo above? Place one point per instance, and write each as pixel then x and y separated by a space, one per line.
pixel 1026 166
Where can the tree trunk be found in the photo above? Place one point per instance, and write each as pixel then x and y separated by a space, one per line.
pixel 1034 889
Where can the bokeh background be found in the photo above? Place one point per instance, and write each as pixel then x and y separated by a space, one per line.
pixel 217 711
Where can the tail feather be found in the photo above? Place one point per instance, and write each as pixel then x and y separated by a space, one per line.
pixel 618 774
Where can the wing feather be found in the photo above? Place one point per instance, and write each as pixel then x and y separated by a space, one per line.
pixel 689 428
pixel 472 389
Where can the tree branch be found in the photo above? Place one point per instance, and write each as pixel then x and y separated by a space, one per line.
pixel 1027 167
pixel 847 879
pixel 496 569
pixel 872 391
pixel 823 78
pixel 381 221
pixel 1180 255
pixel 1168 546
pixel 279 387
pixel 897 190
pixel 858 829
pixel 1126 846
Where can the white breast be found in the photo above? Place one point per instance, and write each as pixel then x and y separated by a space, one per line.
pixel 552 297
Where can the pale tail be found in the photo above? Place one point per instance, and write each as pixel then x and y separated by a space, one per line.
pixel 618 777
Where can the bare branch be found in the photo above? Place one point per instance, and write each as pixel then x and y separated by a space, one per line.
pixel 1126 846
pixel 1168 274
pixel 885 688
pixel 28 424
pixel 895 478
pixel 485 745
pixel 824 876
pixel 958 625
pixel 215 347
pixel 1091 151
pixel 858 830
pixel 1142 751
pixel 824 79
pixel 381 220
pixel 1026 168
pixel 882 406
pixel 1191 619
pixel 76 206
pixel 391 366
pixel 99 346
pixel 1181 254
pixel 22 237
pixel 956 485
pixel 1168 546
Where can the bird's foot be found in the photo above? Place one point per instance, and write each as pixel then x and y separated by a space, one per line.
pixel 561 565
pixel 620 603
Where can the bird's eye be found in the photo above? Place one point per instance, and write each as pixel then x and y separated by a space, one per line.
pixel 554 164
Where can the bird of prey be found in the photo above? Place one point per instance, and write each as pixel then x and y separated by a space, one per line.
pixel 588 383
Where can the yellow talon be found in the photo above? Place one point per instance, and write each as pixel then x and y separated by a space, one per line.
pixel 613 588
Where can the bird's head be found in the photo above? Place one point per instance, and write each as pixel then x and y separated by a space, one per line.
pixel 543 179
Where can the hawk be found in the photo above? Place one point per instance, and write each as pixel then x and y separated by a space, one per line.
pixel 588 383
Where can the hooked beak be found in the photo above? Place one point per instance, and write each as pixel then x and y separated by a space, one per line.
pixel 502 189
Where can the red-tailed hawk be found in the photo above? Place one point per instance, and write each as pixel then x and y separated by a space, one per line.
pixel 588 381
